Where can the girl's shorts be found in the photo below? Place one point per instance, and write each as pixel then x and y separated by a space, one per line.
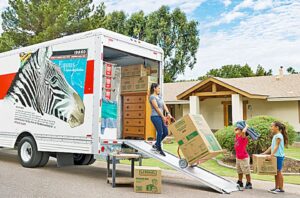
pixel 280 163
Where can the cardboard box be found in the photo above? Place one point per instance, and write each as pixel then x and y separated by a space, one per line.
pixel 127 84
pixel 147 179
pixel 195 139
pixel 134 70
pixel 262 166
pixel 143 83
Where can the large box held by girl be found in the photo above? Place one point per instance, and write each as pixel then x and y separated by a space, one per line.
pixel 195 139
pixel 263 166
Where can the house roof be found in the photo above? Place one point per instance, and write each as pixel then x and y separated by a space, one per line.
pixel 286 87
pixel 171 90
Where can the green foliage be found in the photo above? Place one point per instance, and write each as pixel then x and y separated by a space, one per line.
pixel 291 70
pixel 261 124
pixel 31 21
pixel 235 71
pixel 260 71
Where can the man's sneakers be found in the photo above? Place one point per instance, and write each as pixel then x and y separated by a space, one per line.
pixel 276 191
pixel 248 185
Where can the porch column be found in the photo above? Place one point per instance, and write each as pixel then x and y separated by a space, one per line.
pixel 237 107
pixel 194 105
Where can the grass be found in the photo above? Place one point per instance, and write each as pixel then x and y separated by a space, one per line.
pixel 214 167
pixel 292 152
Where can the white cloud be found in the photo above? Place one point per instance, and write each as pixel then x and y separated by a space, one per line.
pixel 263 4
pixel 147 6
pixel 225 19
pixel 271 39
pixel 227 2
pixel 255 5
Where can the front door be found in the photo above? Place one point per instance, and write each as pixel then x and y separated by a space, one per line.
pixel 227 114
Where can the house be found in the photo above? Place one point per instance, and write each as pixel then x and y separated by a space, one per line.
pixel 178 108
pixel 224 101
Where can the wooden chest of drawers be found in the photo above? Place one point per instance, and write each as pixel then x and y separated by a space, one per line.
pixel 136 117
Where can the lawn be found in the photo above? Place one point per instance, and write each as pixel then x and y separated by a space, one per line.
pixel 292 152
pixel 214 167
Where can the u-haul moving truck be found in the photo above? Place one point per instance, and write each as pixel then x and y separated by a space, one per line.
pixel 51 94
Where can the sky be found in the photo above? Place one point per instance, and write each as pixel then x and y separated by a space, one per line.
pixel 265 32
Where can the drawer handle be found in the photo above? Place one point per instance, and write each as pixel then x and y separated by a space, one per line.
pixel 140 114
pixel 127 114
pixel 126 129
pixel 140 122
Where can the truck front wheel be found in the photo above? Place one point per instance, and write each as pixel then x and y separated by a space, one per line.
pixel 28 154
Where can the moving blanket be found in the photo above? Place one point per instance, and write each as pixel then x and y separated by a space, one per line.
pixel 250 131
pixel 108 114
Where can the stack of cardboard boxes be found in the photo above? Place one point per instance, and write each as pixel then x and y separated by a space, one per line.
pixel 135 84
pixel 137 78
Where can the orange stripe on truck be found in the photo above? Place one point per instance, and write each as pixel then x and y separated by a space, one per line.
pixel 5 82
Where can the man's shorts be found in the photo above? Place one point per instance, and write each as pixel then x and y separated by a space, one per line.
pixel 280 163
pixel 243 166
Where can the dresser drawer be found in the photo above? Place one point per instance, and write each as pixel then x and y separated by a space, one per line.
pixel 134 99
pixel 134 130
pixel 134 114
pixel 134 107
pixel 134 122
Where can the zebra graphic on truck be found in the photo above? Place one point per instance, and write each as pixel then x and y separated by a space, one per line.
pixel 41 85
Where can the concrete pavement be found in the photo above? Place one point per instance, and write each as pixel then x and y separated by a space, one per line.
pixel 90 181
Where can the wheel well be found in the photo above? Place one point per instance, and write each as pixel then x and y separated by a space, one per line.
pixel 20 137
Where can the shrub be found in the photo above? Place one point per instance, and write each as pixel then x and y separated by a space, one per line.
pixel 262 125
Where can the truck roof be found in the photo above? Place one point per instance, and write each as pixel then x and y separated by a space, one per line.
pixel 96 32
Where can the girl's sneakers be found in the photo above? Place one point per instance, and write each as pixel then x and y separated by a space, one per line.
pixel 276 191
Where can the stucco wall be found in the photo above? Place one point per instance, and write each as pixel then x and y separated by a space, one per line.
pixel 212 111
pixel 286 111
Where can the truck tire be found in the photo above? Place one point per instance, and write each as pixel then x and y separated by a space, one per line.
pixel 44 160
pixel 82 159
pixel 92 161
pixel 28 154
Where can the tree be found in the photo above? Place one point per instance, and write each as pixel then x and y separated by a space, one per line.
pixel 235 71
pixel 30 22
pixel 291 70
pixel 260 71
pixel 177 36
pixel 33 21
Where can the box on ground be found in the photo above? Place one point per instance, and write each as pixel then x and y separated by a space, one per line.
pixel 263 166
pixel 134 70
pixel 195 139
pixel 147 179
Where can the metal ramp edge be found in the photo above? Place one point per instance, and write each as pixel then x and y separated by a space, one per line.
pixel 207 178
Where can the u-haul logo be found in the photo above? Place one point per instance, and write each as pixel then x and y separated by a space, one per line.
pixel 147 172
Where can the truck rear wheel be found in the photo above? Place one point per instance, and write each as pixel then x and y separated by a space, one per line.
pixel 82 159
pixel 44 160
pixel 29 156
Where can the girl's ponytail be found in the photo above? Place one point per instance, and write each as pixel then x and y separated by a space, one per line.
pixel 282 129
